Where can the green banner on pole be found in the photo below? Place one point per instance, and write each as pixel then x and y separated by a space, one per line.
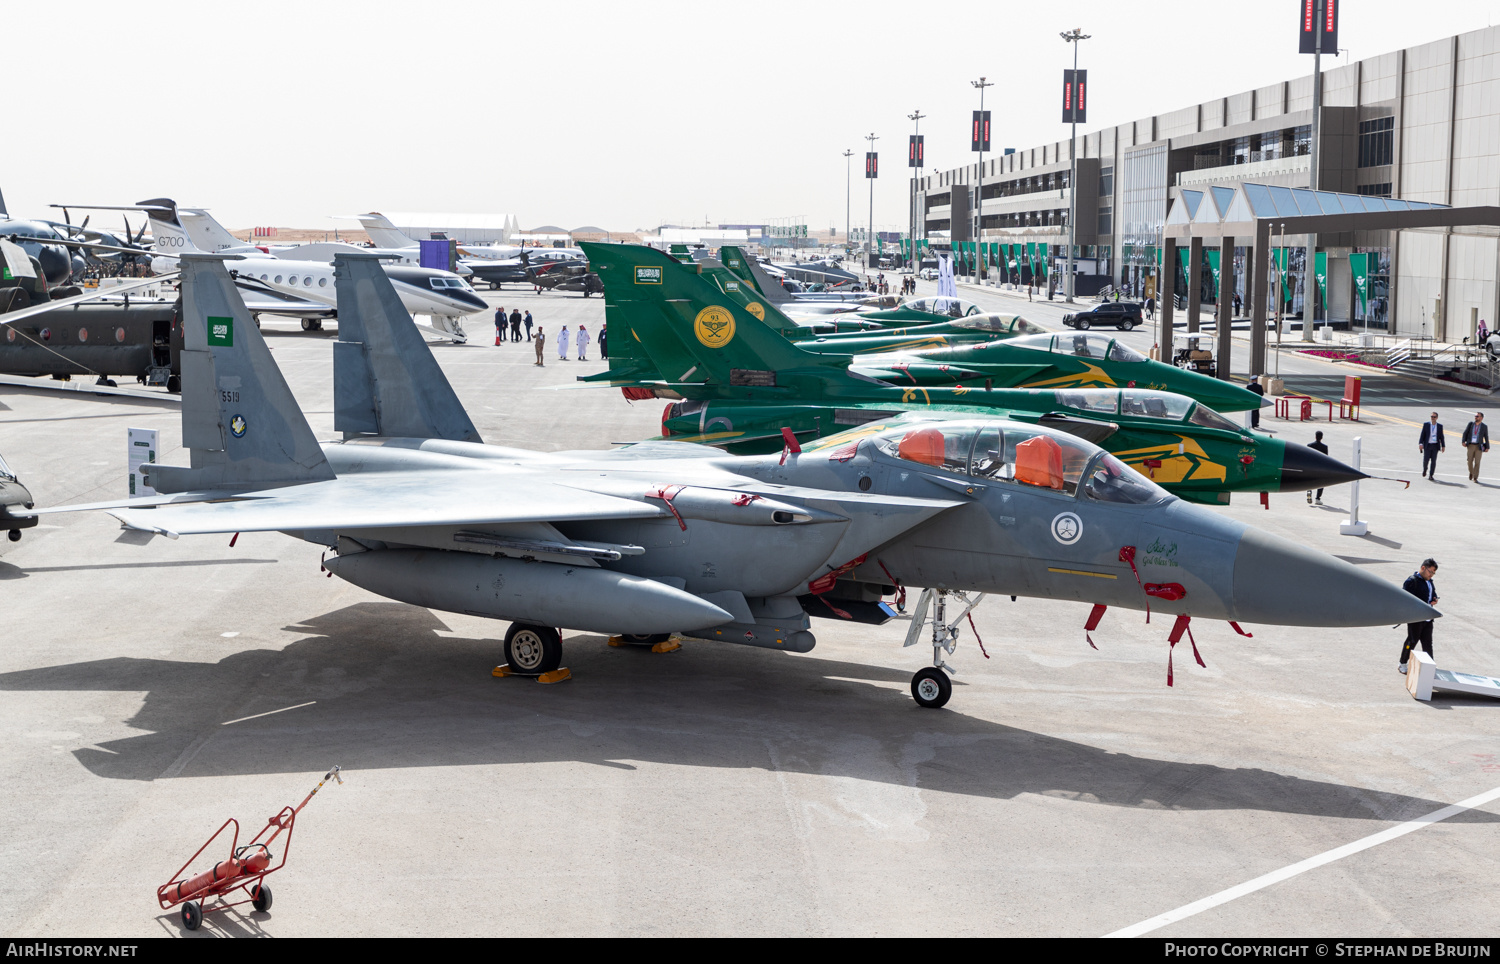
pixel 1041 250
pixel 1213 270
pixel 1320 273
pixel 1359 264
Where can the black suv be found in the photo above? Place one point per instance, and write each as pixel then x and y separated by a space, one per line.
pixel 1124 315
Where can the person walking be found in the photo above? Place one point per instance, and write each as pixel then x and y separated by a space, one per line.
pixel 515 317
pixel 1256 387
pixel 1150 309
pixel 1317 445
pixel 515 328
pixel 1420 584
pixel 1483 335
pixel 604 342
pixel 541 339
pixel 582 339
pixel 499 324
pixel 1476 440
pixel 528 326
pixel 1430 442
pixel 562 343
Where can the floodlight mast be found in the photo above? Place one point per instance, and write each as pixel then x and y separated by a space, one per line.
pixel 979 273
pixel 870 235
pixel 1074 37
pixel 848 195
pixel 916 118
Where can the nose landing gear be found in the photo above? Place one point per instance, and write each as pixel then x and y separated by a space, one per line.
pixel 931 687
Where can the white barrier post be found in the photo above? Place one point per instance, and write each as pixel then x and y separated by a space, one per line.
pixel 1354 527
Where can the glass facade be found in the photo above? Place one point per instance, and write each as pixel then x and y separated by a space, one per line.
pixel 1144 196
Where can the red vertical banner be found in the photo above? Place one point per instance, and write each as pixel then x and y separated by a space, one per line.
pixel 979 131
pixel 1310 26
pixel 914 150
pixel 872 164
pixel 1075 86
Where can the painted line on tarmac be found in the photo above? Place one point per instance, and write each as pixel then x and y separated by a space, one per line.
pixel 1286 873
pixel 268 713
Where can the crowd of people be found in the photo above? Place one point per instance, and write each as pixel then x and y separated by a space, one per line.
pixel 512 323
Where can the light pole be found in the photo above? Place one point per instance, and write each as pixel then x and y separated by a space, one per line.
pixel 916 118
pixel 870 235
pixel 981 83
pixel 1073 37
pixel 1310 256
pixel 848 194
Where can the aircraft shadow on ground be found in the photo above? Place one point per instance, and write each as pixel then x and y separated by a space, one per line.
pixel 391 692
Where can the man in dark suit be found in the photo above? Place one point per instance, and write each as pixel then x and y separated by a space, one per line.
pixel 1430 443
pixel 1420 584
pixel 1317 445
pixel 1259 389
pixel 1476 441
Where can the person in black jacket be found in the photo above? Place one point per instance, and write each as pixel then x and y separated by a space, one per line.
pixel 1259 389
pixel 1420 584
pixel 1430 443
pixel 1476 441
pixel 515 320
pixel 1317 445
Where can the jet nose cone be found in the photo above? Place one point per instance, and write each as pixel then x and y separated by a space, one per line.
pixel 1280 582
pixel 470 300
pixel 1303 468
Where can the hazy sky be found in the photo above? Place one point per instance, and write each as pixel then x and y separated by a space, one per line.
pixel 617 114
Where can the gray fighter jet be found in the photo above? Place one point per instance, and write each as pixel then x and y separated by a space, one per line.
pixel 668 537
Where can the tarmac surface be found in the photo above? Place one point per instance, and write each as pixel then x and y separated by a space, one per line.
pixel 153 688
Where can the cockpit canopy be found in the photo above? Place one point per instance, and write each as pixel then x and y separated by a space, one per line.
pixel 952 307
pixel 1001 324
pixel 1081 345
pixel 1168 406
pixel 1018 454
pixel 5 472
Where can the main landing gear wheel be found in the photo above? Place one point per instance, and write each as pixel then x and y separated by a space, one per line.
pixel 192 915
pixel 261 898
pixel 931 687
pixel 645 639
pixel 532 650
pixel 174 384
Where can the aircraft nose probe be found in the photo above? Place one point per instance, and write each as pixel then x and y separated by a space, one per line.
pixel 1303 468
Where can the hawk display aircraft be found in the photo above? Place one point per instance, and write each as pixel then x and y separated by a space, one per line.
pixel 746 387
pixel 666 537
pixel 688 299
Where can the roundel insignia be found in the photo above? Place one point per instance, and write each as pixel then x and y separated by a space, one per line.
pixel 714 326
pixel 755 309
pixel 237 426
pixel 1067 528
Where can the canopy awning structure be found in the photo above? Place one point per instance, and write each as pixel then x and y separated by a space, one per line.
pixel 1251 213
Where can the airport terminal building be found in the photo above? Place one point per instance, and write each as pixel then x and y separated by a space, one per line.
pixel 1420 124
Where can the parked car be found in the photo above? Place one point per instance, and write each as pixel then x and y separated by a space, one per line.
pixel 1124 315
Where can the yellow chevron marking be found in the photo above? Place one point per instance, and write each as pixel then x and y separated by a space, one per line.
pixel 1092 376
pixel 1184 462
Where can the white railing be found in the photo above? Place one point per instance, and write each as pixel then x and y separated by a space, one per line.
pixel 1241 172
pixel 1398 353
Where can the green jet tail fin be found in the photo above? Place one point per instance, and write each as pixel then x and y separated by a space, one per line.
pixel 662 301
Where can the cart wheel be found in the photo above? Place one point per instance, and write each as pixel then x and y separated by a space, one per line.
pixel 192 915
pixel 532 650
pixel 260 898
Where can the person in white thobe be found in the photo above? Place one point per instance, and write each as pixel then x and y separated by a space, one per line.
pixel 583 343
pixel 562 344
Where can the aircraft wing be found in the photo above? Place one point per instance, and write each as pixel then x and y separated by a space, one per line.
pixel 392 500
pixel 294 308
